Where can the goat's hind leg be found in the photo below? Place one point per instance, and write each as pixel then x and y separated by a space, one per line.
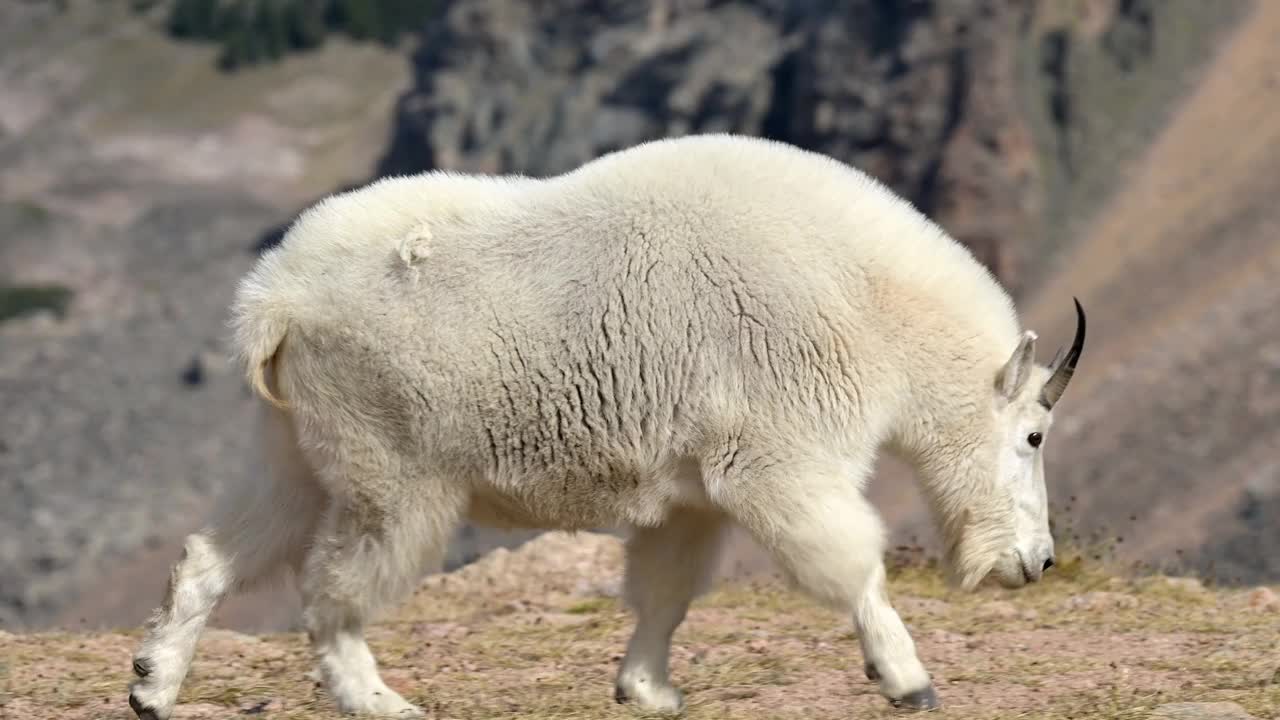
pixel 259 528
pixel 367 556
pixel 666 568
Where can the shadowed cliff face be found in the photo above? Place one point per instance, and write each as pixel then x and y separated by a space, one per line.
pixel 919 94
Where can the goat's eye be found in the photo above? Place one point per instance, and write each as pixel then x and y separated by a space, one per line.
pixel 1035 439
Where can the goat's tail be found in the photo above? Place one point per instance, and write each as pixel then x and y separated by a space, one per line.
pixel 260 320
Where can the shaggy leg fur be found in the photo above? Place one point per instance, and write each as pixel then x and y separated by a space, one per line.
pixel 666 568
pixel 827 537
pixel 259 529
pixel 363 560
pixel 888 650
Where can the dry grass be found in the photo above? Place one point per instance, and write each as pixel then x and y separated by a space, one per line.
pixel 531 634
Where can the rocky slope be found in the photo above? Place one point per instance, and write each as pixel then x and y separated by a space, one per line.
pixel 134 174
pixel 1178 420
pixel 1167 446
pixel 538 633
pixel 921 94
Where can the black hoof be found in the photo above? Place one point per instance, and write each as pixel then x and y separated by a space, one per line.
pixel 143 713
pixel 872 673
pixel 925 699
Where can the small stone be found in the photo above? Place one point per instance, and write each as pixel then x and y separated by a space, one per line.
pixel 199 709
pixel 1263 598
pixel 1100 600
pixel 264 707
pixel 439 630
pixel 728 694
pixel 999 609
pixel 921 606
pixel 943 637
pixel 1201 711
pixel 1185 584
pixel 593 588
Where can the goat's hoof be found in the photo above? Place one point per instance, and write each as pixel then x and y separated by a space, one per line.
pixel 666 700
pixel 380 703
pixel 142 711
pixel 923 699
pixel 872 673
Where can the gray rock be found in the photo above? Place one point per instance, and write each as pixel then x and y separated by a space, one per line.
pixel 921 96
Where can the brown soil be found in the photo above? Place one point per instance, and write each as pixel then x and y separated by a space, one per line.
pixel 538 632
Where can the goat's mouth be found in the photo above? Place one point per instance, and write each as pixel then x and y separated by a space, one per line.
pixel 1030 573
pixel 1012 572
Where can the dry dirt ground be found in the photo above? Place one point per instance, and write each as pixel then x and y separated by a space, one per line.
pixel 537 633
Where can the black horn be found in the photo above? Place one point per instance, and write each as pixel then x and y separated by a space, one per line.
pixel 1063 370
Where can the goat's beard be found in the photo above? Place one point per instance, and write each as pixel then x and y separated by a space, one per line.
pixel 973 548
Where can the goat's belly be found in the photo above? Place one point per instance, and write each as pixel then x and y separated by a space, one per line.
pixel 502 512
pixel 571 499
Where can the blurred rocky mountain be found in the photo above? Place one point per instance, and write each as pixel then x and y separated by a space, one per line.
pixel 920 94
pixel 136 176
pixel 141 179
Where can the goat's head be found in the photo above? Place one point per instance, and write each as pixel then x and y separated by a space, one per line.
pixel 989 491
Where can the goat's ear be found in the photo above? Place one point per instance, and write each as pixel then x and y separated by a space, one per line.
pixel 1017 370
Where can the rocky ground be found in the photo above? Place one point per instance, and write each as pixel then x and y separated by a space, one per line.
pixel 538 632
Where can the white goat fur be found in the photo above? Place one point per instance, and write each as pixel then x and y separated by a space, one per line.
pixel 672 338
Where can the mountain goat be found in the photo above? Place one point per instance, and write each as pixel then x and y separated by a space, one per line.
pixel 675 338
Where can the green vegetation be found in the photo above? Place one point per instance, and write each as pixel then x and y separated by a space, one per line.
pixel 257 31
pixel 22 299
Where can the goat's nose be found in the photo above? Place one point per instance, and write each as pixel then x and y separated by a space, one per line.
pixel 1048 563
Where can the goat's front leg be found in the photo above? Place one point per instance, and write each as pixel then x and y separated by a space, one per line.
pixel 888 651
pixel 827 537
